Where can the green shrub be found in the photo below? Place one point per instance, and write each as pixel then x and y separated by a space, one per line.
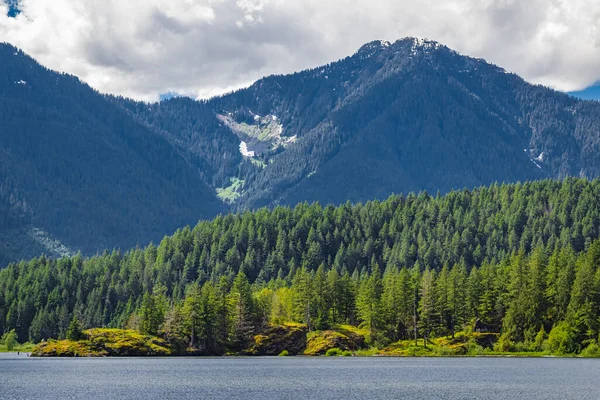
pixel 415 351
pixel 284 353
pixel 444 351
pixel 371 351
pixel 334 352
pixel 347 353
pixel 473 348
pixel 593 350
pixel 10 340
pixel 540 339
pixel 521 347
pixel 561 339
pixel 504 344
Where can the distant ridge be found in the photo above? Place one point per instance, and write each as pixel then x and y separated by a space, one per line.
pixel 98 171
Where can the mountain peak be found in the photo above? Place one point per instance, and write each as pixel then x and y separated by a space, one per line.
pixel 370 48
pixel 417 45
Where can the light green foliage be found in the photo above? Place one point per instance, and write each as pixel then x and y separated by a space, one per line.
pixel 9 340
pixel 335 352
pixel 561 339
pixel 592 350
pixel 428 313
pixel 257 163
pixel 230 193
pixel 105 342
pixel 284 353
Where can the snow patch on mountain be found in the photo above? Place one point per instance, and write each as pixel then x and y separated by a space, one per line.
pixel 535 160
pixel 540 158
pixel 244 150
pixel 260 136
pixel 420 44
pixel 372 48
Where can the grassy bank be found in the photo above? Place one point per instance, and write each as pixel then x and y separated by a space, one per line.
pixel 22 348
pixel 289 340
pixel 105 342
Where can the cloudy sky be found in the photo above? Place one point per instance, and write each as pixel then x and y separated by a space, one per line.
pixel 142 48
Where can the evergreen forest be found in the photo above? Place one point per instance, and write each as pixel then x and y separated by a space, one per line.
pixel 520 260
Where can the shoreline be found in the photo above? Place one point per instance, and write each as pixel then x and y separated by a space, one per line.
pixel 14 356
pixel 29 355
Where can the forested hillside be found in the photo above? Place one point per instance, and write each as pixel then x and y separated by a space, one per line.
pixel 522 259
pixel 77 168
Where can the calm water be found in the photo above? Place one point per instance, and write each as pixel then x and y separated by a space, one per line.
pixel 299 378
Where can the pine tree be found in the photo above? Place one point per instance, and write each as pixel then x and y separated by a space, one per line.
pixel 74 331
pixel 322 299
pixel 583 310
pixel 368 302
pixel 457 297
pixel 303 299
pixel 191 311
pixel 559 281
pixel 241 309
pixel 427 308
pixel 334 286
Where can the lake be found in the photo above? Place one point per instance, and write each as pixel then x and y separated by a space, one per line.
pixel 298 378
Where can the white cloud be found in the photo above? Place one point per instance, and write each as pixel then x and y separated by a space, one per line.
pixel 141 48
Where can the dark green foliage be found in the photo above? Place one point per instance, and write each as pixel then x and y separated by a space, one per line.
pixel 368 302
pixel 74 331
pixel 243 312
pixel 517 259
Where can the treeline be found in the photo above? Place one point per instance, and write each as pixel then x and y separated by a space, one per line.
pixel 520 259
pixel 541 302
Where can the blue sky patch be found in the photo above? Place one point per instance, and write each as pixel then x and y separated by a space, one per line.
pixel 590 93
pixel 13 8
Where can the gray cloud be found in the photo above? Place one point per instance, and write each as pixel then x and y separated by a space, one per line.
pixel 141 48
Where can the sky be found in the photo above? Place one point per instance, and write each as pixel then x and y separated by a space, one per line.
pixel 201 48
pixel 589 93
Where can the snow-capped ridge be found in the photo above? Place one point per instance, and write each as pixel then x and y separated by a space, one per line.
pixel 368 49
pixel 417 45
pixel 422 44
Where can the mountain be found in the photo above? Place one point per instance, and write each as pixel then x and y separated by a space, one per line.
pixel 415 115
pixel 394 117
pixel 93 171
pixel 78 170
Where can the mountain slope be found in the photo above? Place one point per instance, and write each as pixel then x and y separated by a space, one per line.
pixel 81 169
pixel 88 172
pixel 413 115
